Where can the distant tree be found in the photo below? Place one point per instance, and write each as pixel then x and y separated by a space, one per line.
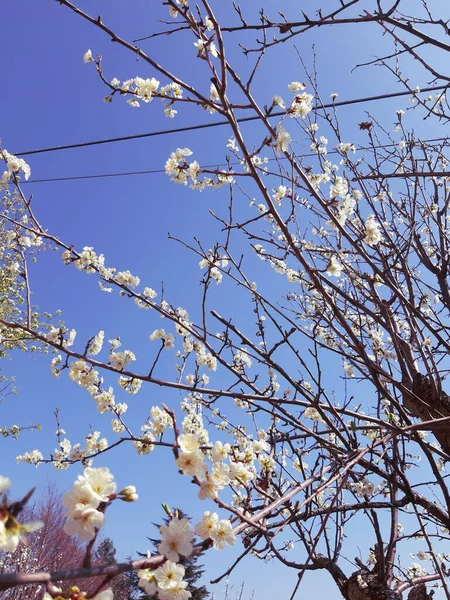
pixel 121 585
pixel 106 552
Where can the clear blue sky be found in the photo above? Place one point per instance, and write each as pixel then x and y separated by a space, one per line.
pixel 50 97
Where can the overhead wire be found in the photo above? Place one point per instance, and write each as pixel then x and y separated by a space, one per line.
pixel 215 166
pixel 219 123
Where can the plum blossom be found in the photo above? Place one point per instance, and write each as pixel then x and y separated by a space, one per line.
pixel 147 580
pixel 176 539
pixel 339 188
pixel 14 165
pixel 222 534
pixel 206 525
pixel 313 414
pixel 177 592
pixel 83 374
pixel 189 442
pixel 128 494
pixel 301 105
pixel 296 86
pixel 120 360
pixel 169 574
pixel 192 464
pixel 145 88
pixel 278 101
pixel 101 482
pixel 220 451
pixel 85 524
pixel 208 489
pixel 126 278
pixel 280 193
pixel 334 268
pixel 372 231
pixel 33 458
pixel 88 491
pixel 79 498
pixel 96 344
pixel 282 140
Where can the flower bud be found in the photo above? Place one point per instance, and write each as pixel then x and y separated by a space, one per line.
pixel 128 494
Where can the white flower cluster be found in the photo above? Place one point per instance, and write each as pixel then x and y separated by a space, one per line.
pixel 240 471
pixel 167 338
pixel 363 488
pixel 176 542
pixel 346 147
pixel 214 264
pixel 87 501
pixel 129 384
pixel 345 209
pixel 173 11
pixel 120 360
pixel 88 492
pixel 89 262
pixel 241 360
pixel 144 89
pixel 339 188
pixel 334 268
pixel 302 104
pixel 221 532
pixel 204 46
pixel 181 171
pixel 282 140
pixel 281 192
pixel 166 581
pixel 161 421
pixel 313 414
pixel 57 336
pixel 14 165
pixel 372 231
pixel 32 458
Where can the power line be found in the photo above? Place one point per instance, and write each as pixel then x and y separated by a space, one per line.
pixel 101 175
pixel 156 171
pixel 218 123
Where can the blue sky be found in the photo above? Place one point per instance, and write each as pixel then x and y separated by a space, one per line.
pixel 52 98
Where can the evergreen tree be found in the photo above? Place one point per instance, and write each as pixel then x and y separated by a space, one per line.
pixel 106 552
pixel 193 571
pixel 121 585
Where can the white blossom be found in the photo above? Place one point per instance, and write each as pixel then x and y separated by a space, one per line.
pixel 176 539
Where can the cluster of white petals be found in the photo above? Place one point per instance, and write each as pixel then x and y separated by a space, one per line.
pixel 95 487
pixel 13 166
pixel 181 171
pixel 372 231
pixel 282 140
pixel 221 532
pixel 176 538
pixel 176 544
